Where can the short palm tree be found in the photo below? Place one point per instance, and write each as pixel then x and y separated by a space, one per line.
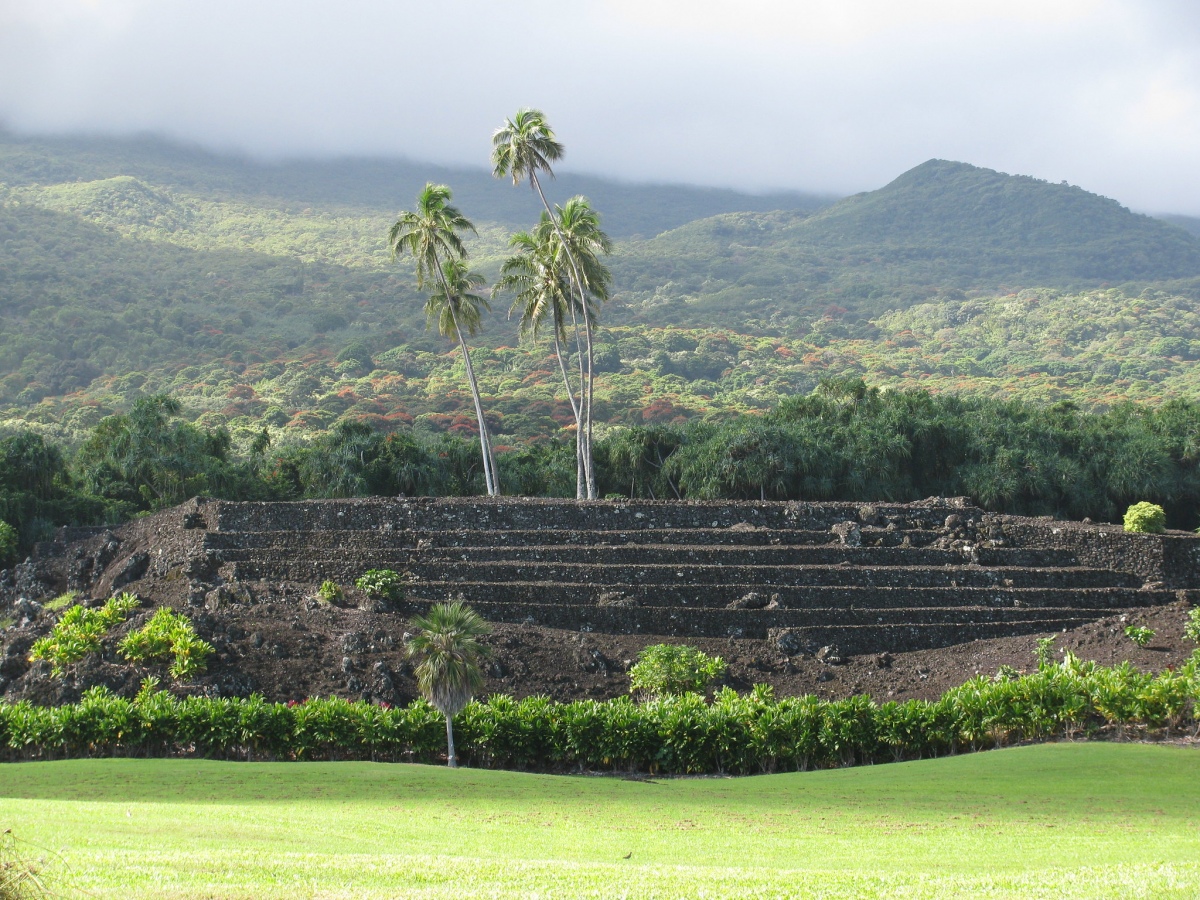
pixel 430 235
pixel 450 653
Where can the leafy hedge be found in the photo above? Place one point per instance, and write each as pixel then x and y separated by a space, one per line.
pixel 736 734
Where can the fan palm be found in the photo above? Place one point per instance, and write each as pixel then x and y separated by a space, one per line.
pixel 449 673
pixel 430 235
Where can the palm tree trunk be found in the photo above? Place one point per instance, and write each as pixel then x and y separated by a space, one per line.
pixel 581 418
pixel 485 441
pixel 562 367
pixel 582 434
pixel 587 415
pixel 450 760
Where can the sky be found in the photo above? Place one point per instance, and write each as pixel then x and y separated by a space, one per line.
pixel 817 95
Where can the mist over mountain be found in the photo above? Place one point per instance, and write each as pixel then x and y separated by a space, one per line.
pixel 378 185
pixel 1188 223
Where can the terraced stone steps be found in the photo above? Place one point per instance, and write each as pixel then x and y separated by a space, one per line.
pixel 693 575
pixel 821 597
pixel 825 554
pixel 567 515
pixel 298 562
pixel 383 538
pixel 883 576
pixel 812 631
pixel 773 575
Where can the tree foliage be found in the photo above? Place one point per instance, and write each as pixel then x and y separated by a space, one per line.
pixel 449 651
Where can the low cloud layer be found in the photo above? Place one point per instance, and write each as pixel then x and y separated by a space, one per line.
pixel 824 95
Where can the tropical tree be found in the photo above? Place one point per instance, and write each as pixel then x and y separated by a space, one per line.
pixel 430 235
pixel 449 674
pixel 150 459
pixel 535 275
pixel 583 242
pixel 523 146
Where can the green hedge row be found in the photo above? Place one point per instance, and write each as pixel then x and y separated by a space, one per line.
pixel 730 733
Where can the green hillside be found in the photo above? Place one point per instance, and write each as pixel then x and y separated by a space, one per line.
pixel 1188 223
pixel 262 292
pixel 938 230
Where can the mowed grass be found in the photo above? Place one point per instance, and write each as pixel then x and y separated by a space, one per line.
pixel 1057 820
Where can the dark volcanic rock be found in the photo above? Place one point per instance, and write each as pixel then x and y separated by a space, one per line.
pixel 761 584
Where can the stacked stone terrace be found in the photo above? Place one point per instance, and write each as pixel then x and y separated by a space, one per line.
pixel 866 578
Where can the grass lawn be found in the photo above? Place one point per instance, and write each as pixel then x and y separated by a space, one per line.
pixel 1058 820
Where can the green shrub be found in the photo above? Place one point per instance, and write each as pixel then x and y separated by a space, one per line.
pixel 62 601
pixel 1139 634
pixel 665 670
pixel 80 631
pixel 171 635
pixel 9 540
pixel 382 584
pixel 1006 673
pixel 329 592
pixel 1191 628
pixel 1145 518
pixel 1045 647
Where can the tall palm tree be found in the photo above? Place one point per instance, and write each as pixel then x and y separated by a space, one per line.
pixel 523 146
pixel 455 308
pixel 534 274
pixel 449 650
pixel 583 242
pixel 430 234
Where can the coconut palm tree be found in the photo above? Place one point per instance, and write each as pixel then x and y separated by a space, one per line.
pixel 583 242
pixel 430 234
pixel 523 146
pixel 534 274
pixel 455 308
pixel 449 673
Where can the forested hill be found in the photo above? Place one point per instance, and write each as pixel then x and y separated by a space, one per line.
pixel 940 228
pixel 1188 223
pixel 264 294
pixel 366 185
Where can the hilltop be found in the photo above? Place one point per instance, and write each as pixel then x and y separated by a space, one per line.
pixel 940 229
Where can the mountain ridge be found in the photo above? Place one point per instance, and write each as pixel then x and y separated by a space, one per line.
pixel 379 184
pixel 940 226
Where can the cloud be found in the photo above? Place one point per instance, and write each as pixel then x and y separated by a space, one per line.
pixel 811 94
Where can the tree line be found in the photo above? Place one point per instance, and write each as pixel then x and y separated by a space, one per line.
pixel 843 441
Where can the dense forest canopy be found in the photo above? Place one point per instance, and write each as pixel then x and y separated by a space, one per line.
pixel 844 440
